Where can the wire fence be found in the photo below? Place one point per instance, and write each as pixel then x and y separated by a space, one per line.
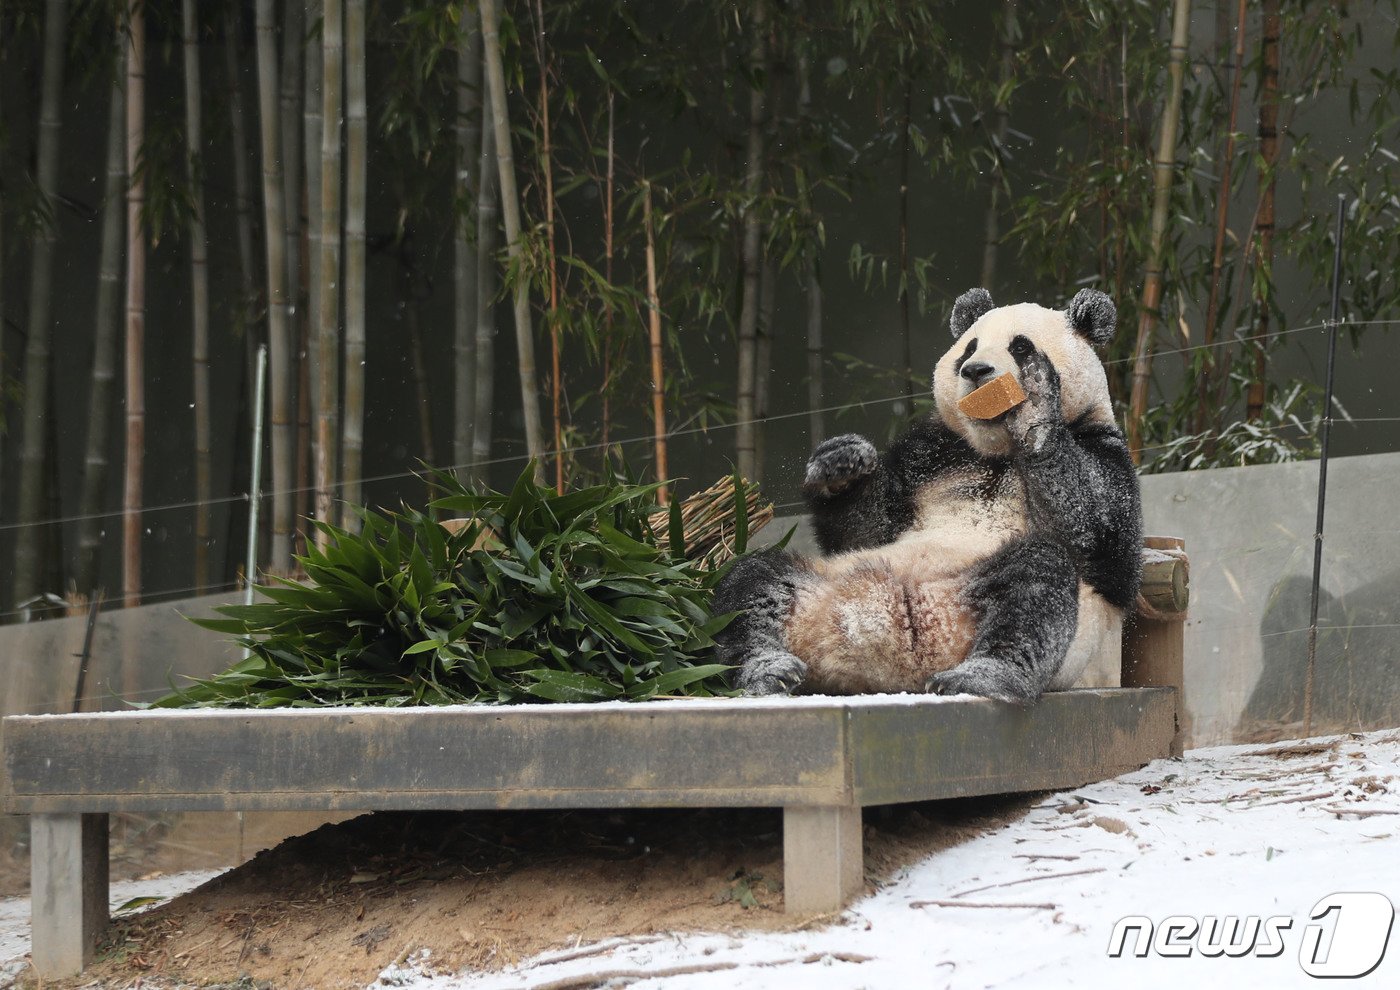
pixel 243 498
pixel 650 438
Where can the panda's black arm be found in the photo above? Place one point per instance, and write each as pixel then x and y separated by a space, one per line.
pixel 877 505
pixel 1082 486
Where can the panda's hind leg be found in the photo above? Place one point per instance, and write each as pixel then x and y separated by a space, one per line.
pixel 762 589
pixel 1026 596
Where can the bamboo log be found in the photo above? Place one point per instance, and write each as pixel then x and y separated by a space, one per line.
pixel 1166 589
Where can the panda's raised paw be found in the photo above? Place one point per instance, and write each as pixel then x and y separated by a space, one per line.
pixel 985 677
pixel 771 673
pixel 1041 383
pixel 839 462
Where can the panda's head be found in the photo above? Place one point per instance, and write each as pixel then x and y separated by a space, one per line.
pixel 992 340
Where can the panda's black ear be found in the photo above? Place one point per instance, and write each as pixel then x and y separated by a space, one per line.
pixel 970 307
pixel 1093 315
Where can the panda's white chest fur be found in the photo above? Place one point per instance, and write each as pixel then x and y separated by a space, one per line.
pixel 964 516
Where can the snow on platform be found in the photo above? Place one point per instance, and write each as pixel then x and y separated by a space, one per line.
pixel 1261 830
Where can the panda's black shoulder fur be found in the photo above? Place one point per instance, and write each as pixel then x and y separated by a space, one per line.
pixel 1110 549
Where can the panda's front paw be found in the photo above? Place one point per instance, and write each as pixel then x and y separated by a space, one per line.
pixel 771 673
pixel 985 677
pixel 1031 422
pixel 838 463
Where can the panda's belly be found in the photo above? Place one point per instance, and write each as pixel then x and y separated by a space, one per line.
pixel 889 618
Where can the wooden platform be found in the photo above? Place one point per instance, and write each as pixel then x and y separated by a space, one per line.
pixel 821 759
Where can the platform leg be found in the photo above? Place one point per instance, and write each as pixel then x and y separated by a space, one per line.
pixel 68 893
pixel 823 858
pixel 1154 656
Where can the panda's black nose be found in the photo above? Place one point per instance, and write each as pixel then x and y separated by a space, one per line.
pixel 977 371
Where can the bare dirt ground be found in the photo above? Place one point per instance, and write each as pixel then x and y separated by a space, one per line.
pixel 333 908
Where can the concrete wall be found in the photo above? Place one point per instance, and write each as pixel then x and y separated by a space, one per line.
pixel 1249 532
pixel 135 655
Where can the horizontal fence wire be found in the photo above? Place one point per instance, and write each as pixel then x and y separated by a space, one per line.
pixel 650 438
pixel 647 439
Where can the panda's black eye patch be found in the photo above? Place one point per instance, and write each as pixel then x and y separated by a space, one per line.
pixel 1021 348
pixel 967 353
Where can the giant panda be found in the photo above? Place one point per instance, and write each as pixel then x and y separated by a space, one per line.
pixel 991 558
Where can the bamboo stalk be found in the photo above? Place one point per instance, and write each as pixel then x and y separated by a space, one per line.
pixel 311 145
pixel 658 380
pixel 132 491
pixel 243 200
pixel 487 215
pixel 752 246
pixel 464 281
pixel 510 209
pixel 763 361
pixel 293 30
pixel 606 388
pixel 328 273
pixel 104 348
pixel 33 449
pixel 356 155
pixel 281 370
pixel 417 356
pixel 991 237
pixel 302 500
pixel 293 190
pixel 547 152
pixel 1264 226
pixel 1222 216
pixel 2 310
pixel 906 330
pixel 1164 166
pixel 812 283
pixel 199 296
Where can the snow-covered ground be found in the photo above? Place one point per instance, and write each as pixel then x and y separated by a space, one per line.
pixel 1236 832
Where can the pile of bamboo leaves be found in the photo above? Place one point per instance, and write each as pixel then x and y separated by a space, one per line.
pixel 535 597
